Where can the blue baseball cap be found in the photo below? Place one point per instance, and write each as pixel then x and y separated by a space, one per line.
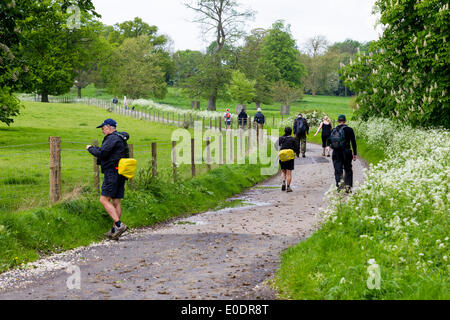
pixel 342 118
pixel 108 122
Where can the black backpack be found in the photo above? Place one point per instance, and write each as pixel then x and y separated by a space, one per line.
pixel 337 138
pixel 259 118
pixel 301 126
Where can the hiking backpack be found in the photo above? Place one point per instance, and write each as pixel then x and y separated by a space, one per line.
pixel 301 127
pixel 259 118
pixel 127 166
pixel 337 138
pixel 228 115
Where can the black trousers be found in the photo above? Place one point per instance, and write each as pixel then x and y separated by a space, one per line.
pixel 342 162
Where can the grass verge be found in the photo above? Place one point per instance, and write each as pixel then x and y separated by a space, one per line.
pixel 389 240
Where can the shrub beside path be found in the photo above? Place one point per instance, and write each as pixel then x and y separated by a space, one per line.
pixel 225 254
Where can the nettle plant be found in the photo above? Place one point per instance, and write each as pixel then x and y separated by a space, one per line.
pixel 405 74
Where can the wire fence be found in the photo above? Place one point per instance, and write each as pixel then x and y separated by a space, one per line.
pixel 177 117
pixel 41 174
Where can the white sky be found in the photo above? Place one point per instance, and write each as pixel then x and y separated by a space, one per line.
pixel 337 20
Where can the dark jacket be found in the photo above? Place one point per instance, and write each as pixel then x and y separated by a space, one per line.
pixel 259 118
pixel 288 142
pixel 114 147
pixel 242 118
pixel 296 124
pixel 349 138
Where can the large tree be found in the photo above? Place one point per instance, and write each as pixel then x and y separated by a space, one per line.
pixel 249 62
pixel 279 56
pixel 405 75
pixel 187 64
pixel 224 19
pixel 92 49
pixel 315 48
pixel 10 68
pixel 50 46
pixel 136 71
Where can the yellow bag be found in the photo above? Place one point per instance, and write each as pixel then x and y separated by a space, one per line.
pixel 286 155
pixel 127 167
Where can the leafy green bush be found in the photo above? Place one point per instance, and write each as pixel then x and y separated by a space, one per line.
pixel 405 75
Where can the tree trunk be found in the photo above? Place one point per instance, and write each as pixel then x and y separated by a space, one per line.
pixel 258 105
pixel 44 97
pixel 212 103
pixel 79 92
pixel 285 110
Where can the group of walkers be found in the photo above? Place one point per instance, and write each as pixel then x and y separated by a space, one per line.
pixel 243 117
pixel 341 139
pixel 114 148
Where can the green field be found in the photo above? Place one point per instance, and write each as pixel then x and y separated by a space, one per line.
pixel 24 157
pixel 331 105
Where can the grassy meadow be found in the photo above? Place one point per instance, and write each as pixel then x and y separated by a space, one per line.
pixel 24 150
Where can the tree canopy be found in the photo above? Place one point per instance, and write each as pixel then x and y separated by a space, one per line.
pixel 405 74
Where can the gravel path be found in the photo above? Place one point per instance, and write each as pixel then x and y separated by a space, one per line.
pixel 226 254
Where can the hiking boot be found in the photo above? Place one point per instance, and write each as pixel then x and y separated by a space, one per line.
pixel 283 187
pixel 118 231
pixel 303 155
pixel 289 189
pixel 328 155
pixel 109 234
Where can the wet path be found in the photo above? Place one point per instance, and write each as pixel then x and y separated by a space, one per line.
pixel 225 254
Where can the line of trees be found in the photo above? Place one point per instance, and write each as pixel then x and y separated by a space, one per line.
pixel 42 52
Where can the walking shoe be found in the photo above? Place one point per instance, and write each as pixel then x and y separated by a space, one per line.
pixel 303 156
pixel 109 234
pixel 323 154
pixel 118 231
pixel 328 155
pixel 289 189
pixel 283 187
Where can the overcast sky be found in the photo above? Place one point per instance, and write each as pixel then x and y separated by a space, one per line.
pixel 337 20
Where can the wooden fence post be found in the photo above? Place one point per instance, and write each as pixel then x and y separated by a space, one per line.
pixel 208 154
pixel 96 171
pixel 193 157
pixel 55 169
pixel 174 160
pixel 154 160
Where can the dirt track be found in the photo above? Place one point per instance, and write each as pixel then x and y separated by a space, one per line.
pixel 225 254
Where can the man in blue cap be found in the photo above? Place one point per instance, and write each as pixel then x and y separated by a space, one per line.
pixel 114 147
pixel 340 140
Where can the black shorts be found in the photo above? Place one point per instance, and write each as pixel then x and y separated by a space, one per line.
pixel 113 184
pixel 287 165
pixel 325 142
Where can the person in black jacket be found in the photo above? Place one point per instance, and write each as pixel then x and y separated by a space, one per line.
pixel 259 119
pixel 301 129
pixel 287 142
pixel 242 119
pixel 342 157
pixel 114 147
